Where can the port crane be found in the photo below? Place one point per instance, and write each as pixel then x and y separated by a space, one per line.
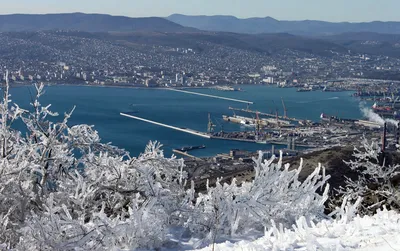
pixel 277 119
pixel 271 114
pixel 276 114
pixel 395 101
pixel 211 125
pixel 248 107
pixel 258 126
pixel 221 125
pixel 284 109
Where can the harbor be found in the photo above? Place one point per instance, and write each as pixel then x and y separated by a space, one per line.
pixel 191 112
pixel 247 136
pixel 278 129
pixel 186 123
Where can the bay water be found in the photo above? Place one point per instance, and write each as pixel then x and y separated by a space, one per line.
pixel 101 107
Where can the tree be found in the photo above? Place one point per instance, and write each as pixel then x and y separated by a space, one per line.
pixel 274 194
pixel 375 182
pixel 62 189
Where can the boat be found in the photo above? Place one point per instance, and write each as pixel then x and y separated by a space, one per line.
pixel 385 111
pixel 251 122
pixel 261 142
pixel 378 108
pixel 328 118
pixel 331 89
pixel 304 90
pixel 190 148
pixel 246 123
pixel 325 117
pixel 226 88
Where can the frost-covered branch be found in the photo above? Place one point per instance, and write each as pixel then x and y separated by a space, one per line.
pixel 274 194
pixel 61 188
pixel 375 181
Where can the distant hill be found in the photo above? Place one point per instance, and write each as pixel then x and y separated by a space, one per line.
pixel 368 42
pixel 270 25
pixel 51 45
pixel 263 43
pixel 86 22
pixel 363 36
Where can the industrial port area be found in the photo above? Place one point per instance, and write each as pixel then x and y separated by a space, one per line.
pixel 280 133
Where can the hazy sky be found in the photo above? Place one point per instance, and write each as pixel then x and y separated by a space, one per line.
pixel 329 10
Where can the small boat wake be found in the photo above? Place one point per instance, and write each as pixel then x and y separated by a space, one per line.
pixel 132 109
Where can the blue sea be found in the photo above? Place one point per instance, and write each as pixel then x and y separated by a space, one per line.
pixel 101 106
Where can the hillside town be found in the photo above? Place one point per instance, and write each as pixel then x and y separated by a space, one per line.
pixel 78 58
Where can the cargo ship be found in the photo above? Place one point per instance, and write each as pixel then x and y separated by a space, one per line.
pixel 239 120
pixel 190 148
pixel 251 122
pixel 385 111
pixel 327 118
pixel 382 109
pixel 376 107
pixel 365 123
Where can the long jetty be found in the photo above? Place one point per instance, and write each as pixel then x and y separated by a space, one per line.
pixel 185 154
pixel 211 96
pixel 186 130
pixel 264 114
pixel 207 135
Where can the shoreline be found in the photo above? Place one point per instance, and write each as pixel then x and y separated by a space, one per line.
pixel 49 84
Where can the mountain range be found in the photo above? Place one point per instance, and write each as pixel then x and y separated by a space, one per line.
pixel 86 22
pixel 183 23
pixel 315 37
pixel 271 25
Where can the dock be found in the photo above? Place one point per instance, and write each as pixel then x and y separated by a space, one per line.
pixel 252 121
pixel 235 139
pixel 264 114
pixel 186 130
pixel 186 154
pixel 209 135
pixel 211 96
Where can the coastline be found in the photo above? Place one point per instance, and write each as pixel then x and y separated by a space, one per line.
pixel 50 84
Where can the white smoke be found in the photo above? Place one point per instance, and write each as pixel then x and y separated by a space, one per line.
pixel 392 121
pixel 374 117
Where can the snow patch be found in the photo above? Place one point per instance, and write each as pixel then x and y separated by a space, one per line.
pixel 378 232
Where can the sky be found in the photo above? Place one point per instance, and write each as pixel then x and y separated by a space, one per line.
pixel 326 10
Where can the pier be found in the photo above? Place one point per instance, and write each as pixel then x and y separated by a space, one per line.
pixel 186 130
pixel 264 114
pixel 186 154
pixel 215 136
pixel 235 139
pixel 211 96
